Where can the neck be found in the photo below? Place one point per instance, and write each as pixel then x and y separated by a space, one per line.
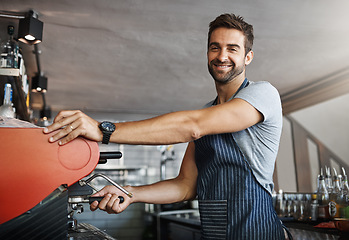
pixel 226 91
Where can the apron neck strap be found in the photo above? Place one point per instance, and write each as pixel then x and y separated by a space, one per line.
pixel 243 85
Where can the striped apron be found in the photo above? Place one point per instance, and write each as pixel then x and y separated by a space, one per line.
pixel 232 204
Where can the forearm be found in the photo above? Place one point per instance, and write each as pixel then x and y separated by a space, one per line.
pixel 168 191
pixel 176 127
pixel 181 188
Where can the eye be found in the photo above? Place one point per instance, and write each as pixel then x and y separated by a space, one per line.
pixel 232 49
pixel 214 48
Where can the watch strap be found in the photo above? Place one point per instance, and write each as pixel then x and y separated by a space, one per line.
pixel 106 137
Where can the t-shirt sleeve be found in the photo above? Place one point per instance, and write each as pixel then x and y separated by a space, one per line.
pixel 264 97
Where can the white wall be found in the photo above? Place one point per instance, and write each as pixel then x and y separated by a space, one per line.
pixel 327 121
pixel 284 162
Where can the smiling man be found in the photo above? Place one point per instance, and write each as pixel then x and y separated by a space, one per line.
pixel 224 55
pixel 233 143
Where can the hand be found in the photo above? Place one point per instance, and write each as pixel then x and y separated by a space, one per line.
pixel 71 124
pixel 111 203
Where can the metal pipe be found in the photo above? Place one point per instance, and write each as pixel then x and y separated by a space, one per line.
pixel 15 15
pixel 43 100
pixel 83 182
pixel 37 52
pixel 18 15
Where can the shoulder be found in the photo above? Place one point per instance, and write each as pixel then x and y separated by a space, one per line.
pixel 259 90
pixel 263 96
pixel 261 86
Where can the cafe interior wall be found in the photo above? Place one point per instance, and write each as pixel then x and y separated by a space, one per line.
pixel 328 122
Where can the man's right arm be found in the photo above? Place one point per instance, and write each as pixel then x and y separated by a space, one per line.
pixel 181 188
pixel 170 128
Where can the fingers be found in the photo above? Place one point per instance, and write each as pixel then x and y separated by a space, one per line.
pixel 62 119
pixel 65 135
pixel 104 191
pixel 101 193
pixel 94 206
pixel 65 121
pixel 113 205
pixel 64 114
pixel 70 125
pixel 110 203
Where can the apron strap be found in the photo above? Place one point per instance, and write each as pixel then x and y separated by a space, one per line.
pixel 289 235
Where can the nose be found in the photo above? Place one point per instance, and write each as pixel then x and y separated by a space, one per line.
pixel 223 55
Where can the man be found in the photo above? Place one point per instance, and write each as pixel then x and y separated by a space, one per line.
pixel 233 142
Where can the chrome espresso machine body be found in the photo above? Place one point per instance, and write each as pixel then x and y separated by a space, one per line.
pixel 44 185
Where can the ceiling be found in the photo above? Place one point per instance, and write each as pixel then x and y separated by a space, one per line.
pixel 150 56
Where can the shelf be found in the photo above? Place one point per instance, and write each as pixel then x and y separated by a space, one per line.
pixel 13 72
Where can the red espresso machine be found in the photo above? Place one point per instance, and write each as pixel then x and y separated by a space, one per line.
pixel 41 184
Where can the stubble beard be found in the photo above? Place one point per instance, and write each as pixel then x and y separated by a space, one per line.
pixel 227 77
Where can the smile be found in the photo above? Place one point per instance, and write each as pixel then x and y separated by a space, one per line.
pixel 222 66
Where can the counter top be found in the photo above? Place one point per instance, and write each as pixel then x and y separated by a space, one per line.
pixel 302 230
pixel 188 217
pixel 299 230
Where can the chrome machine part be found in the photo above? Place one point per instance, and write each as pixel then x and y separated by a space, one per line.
pixel 85 182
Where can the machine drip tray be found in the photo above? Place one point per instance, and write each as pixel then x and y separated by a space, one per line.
pixel 87 231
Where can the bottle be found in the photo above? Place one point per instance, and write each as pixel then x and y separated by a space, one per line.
pixel 280 204
pixel 335 197
pixel 344 210
pixel 301 214
pixel 6 110
pixel 322 199
pixel 10 51
pixel 345 186
pixel 328 179
pixel 314 208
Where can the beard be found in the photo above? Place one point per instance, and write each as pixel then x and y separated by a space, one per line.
pixel 226 77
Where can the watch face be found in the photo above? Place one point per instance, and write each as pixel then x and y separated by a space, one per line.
pixel 108 126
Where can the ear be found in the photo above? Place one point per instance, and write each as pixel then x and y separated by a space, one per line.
pixel 249 57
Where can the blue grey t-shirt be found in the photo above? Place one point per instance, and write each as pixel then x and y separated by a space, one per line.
pixel 260 142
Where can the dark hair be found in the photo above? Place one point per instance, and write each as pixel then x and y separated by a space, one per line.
pixel 234 22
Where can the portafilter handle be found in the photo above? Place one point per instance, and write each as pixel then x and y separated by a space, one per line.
pixel 98 199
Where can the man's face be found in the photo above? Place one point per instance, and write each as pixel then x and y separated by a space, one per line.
pixel 226 55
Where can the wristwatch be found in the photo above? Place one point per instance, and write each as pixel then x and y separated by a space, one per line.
pixel 107 129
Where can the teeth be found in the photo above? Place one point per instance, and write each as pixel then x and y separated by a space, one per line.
pixel 223 66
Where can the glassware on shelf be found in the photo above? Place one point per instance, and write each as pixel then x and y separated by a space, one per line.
pixel 328 180
pixel 9 51
pixel 344 210
pixel 6 109
pixel 335 196
pixel 323 198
